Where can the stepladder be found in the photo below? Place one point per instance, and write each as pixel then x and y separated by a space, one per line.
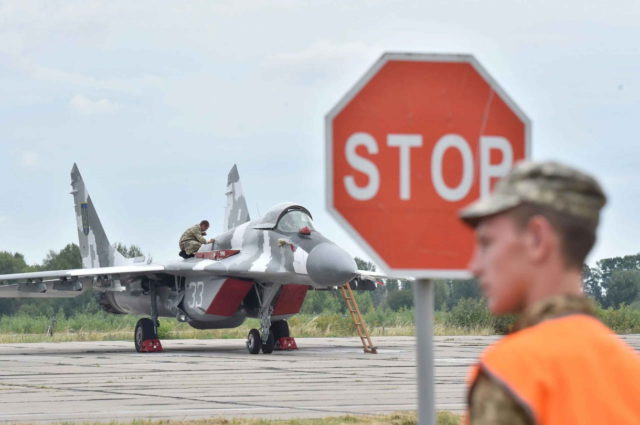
pixel 361 327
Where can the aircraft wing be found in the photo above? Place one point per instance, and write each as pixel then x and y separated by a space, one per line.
pixel 368 274
pixel 367 280
pixel 64 283
pixel 79 273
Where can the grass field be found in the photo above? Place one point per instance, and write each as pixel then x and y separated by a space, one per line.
pixel 106 327
pixel 467 318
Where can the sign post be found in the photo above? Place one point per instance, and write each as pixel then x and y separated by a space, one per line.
pixel 423 300
pixel 418 137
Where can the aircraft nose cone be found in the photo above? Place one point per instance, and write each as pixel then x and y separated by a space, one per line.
pixel 328 264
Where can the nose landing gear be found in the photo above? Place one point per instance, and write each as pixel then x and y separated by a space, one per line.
pixel 254 343
pixel 267 338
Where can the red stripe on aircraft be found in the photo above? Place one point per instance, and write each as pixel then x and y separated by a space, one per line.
pixel 217 255
pixel 229 297
pixel 290 299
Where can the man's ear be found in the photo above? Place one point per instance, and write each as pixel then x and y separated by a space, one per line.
pixel 540 238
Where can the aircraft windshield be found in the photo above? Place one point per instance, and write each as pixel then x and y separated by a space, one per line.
pixel 293 221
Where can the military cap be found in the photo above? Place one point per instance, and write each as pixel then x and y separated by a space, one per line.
pixel 548 184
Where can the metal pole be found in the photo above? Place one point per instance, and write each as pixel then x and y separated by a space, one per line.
pixel 423 298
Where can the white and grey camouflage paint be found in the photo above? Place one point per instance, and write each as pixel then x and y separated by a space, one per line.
pixel 268 256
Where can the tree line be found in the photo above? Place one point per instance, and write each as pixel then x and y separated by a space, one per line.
pixel 67 258
pixel 612 283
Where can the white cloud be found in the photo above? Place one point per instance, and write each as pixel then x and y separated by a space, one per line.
pixel 30 159
pixel 320 60
pixel 86 106
pixel 34 22
pixel 321 52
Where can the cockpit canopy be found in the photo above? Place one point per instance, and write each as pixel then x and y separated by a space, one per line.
pixel 286 218
pixel 294 220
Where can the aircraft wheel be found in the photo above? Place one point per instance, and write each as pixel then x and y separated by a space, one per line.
pixel 280 328
pixel 267 347
pixel 144 330
pixel 254 342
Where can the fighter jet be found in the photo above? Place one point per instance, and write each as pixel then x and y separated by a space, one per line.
pixel 259 268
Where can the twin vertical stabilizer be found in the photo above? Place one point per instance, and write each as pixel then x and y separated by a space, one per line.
pixel 236 211
pixel 95 248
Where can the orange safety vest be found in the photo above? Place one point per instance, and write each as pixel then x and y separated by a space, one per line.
pixel 570 370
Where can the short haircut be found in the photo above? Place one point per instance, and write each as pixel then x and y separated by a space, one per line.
pixel 577 234
pixel 204 223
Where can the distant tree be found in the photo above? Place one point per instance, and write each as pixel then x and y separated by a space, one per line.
pixel 67 258
pixel 131 251
pixel 12 263
pixel 623 288
pixel 364 264
pixel 608 265
pixel 599 281
pixel 398 300
pixel 461 289
pixel 379 296
pixel 393 285
pixel 592 285
pixel 364 300
pixel 317 302
pixel 440 294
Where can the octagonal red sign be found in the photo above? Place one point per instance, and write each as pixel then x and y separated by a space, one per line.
pixel 416 139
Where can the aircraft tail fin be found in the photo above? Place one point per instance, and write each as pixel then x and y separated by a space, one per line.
pixel 236 211
pixel 94 245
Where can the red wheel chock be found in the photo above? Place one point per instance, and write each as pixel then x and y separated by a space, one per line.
pixel 151 346
pixel 286 343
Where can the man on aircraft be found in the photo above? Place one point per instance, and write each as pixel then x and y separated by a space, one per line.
pixel 193 238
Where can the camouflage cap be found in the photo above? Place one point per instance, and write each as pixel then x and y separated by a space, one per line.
pixel 548 184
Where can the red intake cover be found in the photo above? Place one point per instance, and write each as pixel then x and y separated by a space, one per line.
pixel 290 299
pixel 229 297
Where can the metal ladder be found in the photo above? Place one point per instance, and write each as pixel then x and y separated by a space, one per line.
pixel 361 327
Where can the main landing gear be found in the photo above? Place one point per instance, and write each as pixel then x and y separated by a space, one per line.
pixel 146 334
pixel 146 337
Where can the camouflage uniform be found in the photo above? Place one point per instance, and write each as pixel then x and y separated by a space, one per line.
pixel 489 401
pixel 557 187
pixel 192 239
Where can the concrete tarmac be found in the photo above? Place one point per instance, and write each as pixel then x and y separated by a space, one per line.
pixel 106 381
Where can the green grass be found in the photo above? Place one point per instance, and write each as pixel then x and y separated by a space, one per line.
pixel 108 327
pixel 469 317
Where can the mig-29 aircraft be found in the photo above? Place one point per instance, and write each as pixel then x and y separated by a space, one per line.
pixel 259 268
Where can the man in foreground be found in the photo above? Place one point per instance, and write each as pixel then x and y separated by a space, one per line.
pixel 193 238
pixel 560 365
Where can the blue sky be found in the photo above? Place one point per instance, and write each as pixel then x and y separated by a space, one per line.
pixel 156 100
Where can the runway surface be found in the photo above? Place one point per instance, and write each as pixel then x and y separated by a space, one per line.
pixel 105 381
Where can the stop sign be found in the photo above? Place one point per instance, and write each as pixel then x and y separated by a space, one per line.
pixel 416 139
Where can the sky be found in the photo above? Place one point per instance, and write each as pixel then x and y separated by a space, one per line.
pixel 156 100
